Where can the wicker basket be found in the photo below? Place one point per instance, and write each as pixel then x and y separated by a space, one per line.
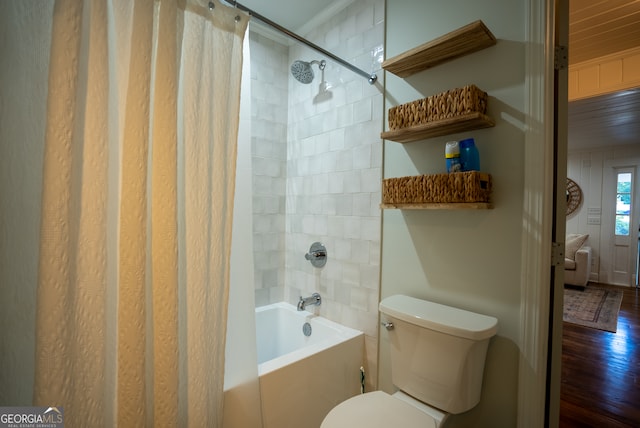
pixel 470 186
pixel 449 104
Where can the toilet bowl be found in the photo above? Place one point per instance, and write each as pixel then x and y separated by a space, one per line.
pixel 380 410
pixel 437 364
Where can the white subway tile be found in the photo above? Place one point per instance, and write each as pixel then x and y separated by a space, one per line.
pixel 362 157
pixel 350 273
pixel 307 146
pixel 370 228
pixel 376 199
pixel 342 249
pixel 355 43
pixel 374 252
pixel 320 184
pixel 359 298
pixel 359 252
pixel 336 139
pixel 308 224
pixel 371 41
pixel 344 161
pixel 258 204
pixel 376 153
pixel 364 19
pixel 344 204
pixel 354 91
pixel 336 226
pixel 345 115
pixel 261 186
pixel 370 179
pixel 329 161
pixel 276 294
pixel 270 242
pixel 329 120
pixel 352 227
pixel 314 206
pixel 362 111
pixel 329 204
pixel 352 182
pixel 332 39
pixel 342 294
pixel 261 295
pixel 336 184
pixel 260 147
pixel 347 28
pixel 361 204
pixel 370 276
pixel 315 165
pixel 301 166
pixel 321 225
pixel 339 94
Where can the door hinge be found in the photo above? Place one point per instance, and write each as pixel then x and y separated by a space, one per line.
pixel 560 58
pixel 557 254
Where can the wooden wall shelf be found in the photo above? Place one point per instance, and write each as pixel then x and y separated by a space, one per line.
pixel 467 122
pixel 433 206
pixel 465 40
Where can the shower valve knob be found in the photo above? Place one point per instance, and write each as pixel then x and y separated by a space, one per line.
pixel 317 255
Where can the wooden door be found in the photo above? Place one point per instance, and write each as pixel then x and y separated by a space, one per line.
pixel 622 224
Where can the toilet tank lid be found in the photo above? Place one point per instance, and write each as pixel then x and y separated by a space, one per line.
pixel 442 318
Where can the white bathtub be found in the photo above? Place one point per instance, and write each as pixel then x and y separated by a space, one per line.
pixel 303 377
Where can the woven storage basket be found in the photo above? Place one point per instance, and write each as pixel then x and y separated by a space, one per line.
pixel 470 186
pixel 449 104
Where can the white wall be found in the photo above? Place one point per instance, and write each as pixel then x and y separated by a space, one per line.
pixel 466 259
pixel 25 31
pixel 588 169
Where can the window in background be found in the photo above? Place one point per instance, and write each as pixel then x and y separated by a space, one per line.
pixel 623 203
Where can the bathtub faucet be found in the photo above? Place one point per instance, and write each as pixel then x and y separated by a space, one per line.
pixel 314 299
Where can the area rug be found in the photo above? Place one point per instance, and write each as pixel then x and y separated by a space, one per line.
pixel 592 307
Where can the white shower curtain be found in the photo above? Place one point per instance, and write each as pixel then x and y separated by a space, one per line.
pixel 139 164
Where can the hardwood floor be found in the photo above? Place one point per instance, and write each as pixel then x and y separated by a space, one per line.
pixel 600 383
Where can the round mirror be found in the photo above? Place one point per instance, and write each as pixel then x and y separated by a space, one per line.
pixel 574 196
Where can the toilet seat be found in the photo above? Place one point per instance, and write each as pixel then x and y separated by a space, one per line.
pixel 376 410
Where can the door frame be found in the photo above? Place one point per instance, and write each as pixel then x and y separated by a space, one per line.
pixel 543 217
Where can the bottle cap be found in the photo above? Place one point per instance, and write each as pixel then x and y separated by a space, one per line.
pixel 469 142
pixel 451 150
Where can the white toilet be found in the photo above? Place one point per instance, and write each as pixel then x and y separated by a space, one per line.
pixel 437 363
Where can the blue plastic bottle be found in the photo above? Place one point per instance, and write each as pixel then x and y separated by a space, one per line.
pixel 469 156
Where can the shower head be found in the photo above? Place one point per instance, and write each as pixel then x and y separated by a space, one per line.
pixel 303 72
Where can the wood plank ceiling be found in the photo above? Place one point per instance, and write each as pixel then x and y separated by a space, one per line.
pixel 598 28
pixel 606 120
pixel 601 27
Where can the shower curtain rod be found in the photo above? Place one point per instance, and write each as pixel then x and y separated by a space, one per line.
pixel 371 78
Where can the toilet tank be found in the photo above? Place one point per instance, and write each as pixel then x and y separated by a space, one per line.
pixel 437 351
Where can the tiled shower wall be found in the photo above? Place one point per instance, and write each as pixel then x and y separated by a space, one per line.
pixel 329 190
pixel 269 77
pixel 334 165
